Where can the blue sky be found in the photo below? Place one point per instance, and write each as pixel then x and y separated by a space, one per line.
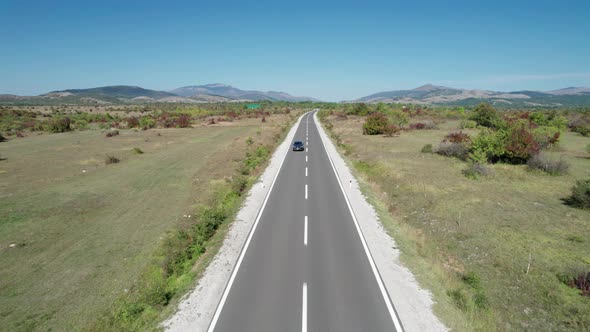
pixel 328 50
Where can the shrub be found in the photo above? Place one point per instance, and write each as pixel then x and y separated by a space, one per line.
pixel 583 130
pixel 183 121
pixel 580 195
pixel 476 169
pixel 249 141
pixel 559 122
pixel 111 160
pixel 459 137
pixel 458 150
pixel 485 115
pixel 2 138
pixel 429 125
pixel 212 121
pixel 427 148
pixel 488 145
pixel 538 118
pixel 549 166
pixel 577 278
pixel 399 118
pixel 360 109
pixel 391 130
pixel 468 124
pixel 239 184
pixel 137 151
pixel 80 124
pixel 375 124
pixel 112 133
pixel 263 119
pixel 520 145
pixel 546 136
pixel 132 122
pixel 147 122
pixel 60 125
pixel 417 126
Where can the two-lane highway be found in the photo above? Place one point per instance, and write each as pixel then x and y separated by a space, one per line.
pixel 305 266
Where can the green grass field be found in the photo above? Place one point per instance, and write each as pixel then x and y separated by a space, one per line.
pixel 76 234
pixel 469 241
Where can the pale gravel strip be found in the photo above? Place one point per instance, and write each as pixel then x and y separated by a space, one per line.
pixel 197 308
pixel 412 303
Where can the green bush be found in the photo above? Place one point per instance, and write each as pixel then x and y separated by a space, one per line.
pixel 399 118
pixel 375 124
pixel 137 151
pixel 468 124
pixel 427 148
pixel 361 109
pixel 538 118
pixel 60 125
pixel 583 130
pixel 488 145
pixel 580 195
pixel 147 122
pixel 485 115
pixel 559 122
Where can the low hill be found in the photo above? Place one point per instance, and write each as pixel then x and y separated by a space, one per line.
pixel 441 95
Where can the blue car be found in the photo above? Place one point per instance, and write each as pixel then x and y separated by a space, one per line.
pixel 298 146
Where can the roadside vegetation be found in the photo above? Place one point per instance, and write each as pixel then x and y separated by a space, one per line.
pixel 107 229
pixel 489 207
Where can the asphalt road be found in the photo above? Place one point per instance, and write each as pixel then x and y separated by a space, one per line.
pixel 305 267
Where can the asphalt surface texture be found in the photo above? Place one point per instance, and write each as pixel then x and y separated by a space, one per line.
pixel 305 267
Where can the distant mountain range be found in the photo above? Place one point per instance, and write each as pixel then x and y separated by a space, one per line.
pixel 121 94
pixel 426 94
pixel 441 95
pixel 230 92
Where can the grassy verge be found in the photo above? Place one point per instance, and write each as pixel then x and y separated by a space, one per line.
pixel 81 240
pixel 492 251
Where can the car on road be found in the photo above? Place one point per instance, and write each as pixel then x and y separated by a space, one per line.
pixel 298 146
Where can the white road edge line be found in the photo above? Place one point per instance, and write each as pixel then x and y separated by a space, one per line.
pixel 304 309
pixel 305 233
pixel 248 240
pixel 306 191
pixel 388 303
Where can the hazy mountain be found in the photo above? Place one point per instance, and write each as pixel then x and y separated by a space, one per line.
pixel 432 94
pixel 231 92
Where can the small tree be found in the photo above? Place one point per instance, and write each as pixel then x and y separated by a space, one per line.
pixel 399 118
pixel 485 115
pixel 375 124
